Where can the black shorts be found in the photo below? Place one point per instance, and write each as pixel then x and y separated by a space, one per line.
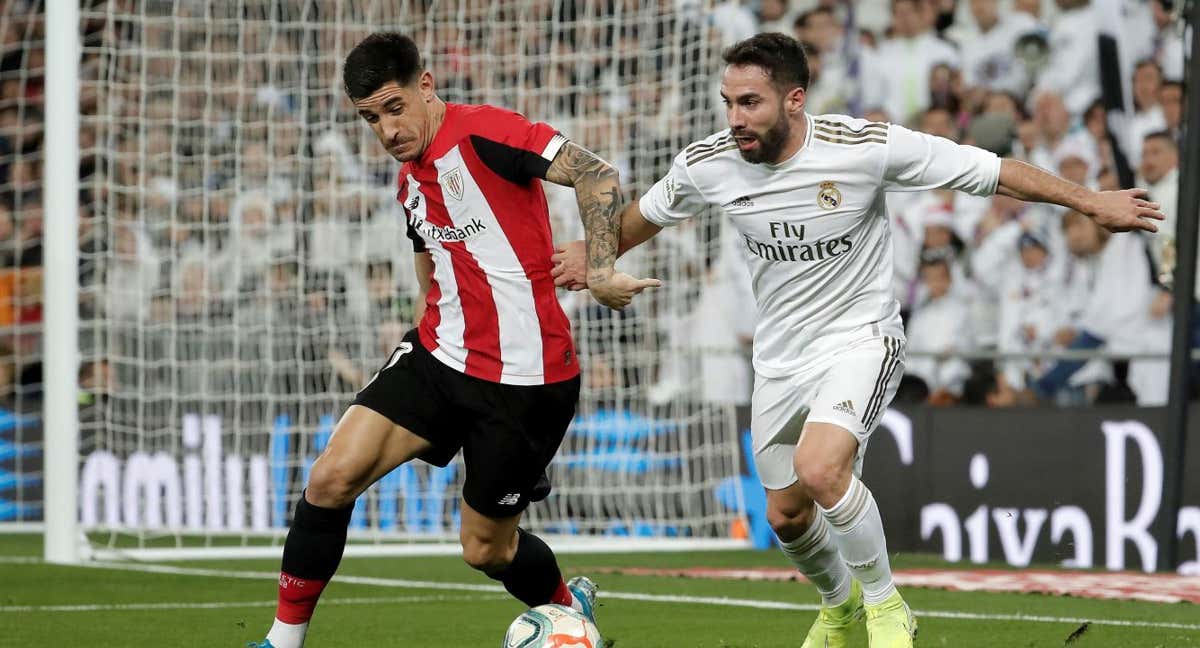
pixel 508 433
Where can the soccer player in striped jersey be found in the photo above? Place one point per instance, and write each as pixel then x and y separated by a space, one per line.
pixel 806 195
pixel 491 368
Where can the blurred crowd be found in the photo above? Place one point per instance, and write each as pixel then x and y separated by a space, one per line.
pixel 240 244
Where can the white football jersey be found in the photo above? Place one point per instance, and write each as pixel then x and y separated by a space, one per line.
pixel 814 228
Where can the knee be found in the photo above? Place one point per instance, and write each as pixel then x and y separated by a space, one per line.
pixel 790 520
pixel 334 483
pixel 485 555
pixel 821 480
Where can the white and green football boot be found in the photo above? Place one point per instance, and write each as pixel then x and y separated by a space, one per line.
pixel 891 624
pixel 832 628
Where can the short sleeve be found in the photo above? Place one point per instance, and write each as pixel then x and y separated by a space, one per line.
pixel 411 232
pixel 673 199
pixel 918 161
pixel 514 147
pixel 418 243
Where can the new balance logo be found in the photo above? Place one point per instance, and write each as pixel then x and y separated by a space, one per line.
pixel 510 499
pixel 845 407
pixel 744 201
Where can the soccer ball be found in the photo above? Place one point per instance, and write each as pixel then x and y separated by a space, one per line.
pixel 552 626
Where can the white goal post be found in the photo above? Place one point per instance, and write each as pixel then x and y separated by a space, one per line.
pixel 243 267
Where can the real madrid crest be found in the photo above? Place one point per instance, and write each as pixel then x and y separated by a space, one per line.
pixel 829 197
pixel 452 183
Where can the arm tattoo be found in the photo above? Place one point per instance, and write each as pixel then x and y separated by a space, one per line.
pixel 598 191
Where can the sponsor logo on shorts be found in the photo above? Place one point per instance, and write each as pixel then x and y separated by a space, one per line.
pixel 845 407
pixel 510 499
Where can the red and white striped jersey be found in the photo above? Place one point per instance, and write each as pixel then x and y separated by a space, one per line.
pixel 474 201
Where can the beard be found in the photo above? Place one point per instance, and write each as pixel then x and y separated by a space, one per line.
pixel 770 143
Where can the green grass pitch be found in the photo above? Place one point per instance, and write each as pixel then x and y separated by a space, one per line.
pixel 380 603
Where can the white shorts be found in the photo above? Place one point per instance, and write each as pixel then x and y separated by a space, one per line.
pixel 851 382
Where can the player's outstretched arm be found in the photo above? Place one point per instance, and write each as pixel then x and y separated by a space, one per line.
pixel 1116 211
pixel 597 189
pixel 570 270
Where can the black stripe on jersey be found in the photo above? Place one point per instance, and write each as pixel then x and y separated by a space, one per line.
pixel 877 127
pixel 847 142
pixel 839 131
pixel 835 131
pixel 891 358
pixel 509 162
pixel 696 150
pixel 705 156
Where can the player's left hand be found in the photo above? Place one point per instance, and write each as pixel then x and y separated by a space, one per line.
pixel 1125 210
pixel 570 268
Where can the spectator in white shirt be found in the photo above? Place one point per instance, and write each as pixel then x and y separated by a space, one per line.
pixel 734 21
pixel 1169 46
pixel 1170 98
pixel 1030 308
pixel 907 58
pixel 774 16
pixel 832 89
pixel 1072 71
pixel 1160 176
pixel 940 324
pixel 1113 291
pixel 1057 136
pixel 1148 115
pixel 989 59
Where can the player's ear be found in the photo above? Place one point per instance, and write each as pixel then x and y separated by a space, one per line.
pixel 425 86
pixel 795 100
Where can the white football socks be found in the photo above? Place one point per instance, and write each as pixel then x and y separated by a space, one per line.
pixel 857 531
pixel 815 555
pixel 287 635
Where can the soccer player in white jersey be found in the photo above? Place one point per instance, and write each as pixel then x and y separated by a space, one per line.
pixel 806 194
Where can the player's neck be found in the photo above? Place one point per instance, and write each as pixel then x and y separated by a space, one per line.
pixel 437 116
pixel 795 140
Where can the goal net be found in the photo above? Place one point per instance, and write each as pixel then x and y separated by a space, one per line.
pixel 244 270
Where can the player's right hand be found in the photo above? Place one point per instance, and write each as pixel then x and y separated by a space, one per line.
pixel 570 267
pixel 617 290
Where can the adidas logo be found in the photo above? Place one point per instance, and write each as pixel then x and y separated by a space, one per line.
pixel 845 407
pixel 510 499
pixel 744 201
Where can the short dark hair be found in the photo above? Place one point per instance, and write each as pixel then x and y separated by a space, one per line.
pixel 779 54
pixel 1163 135
pixel 928 263
pixel 1171 83
pixel 802 19
pixel 1148 62
pixel 378 59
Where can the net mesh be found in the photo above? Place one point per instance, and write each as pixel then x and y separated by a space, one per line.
pixel 244 266
pixel 22 66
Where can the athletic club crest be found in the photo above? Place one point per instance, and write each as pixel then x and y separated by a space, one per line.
pixel 829 197
pixel 452 183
